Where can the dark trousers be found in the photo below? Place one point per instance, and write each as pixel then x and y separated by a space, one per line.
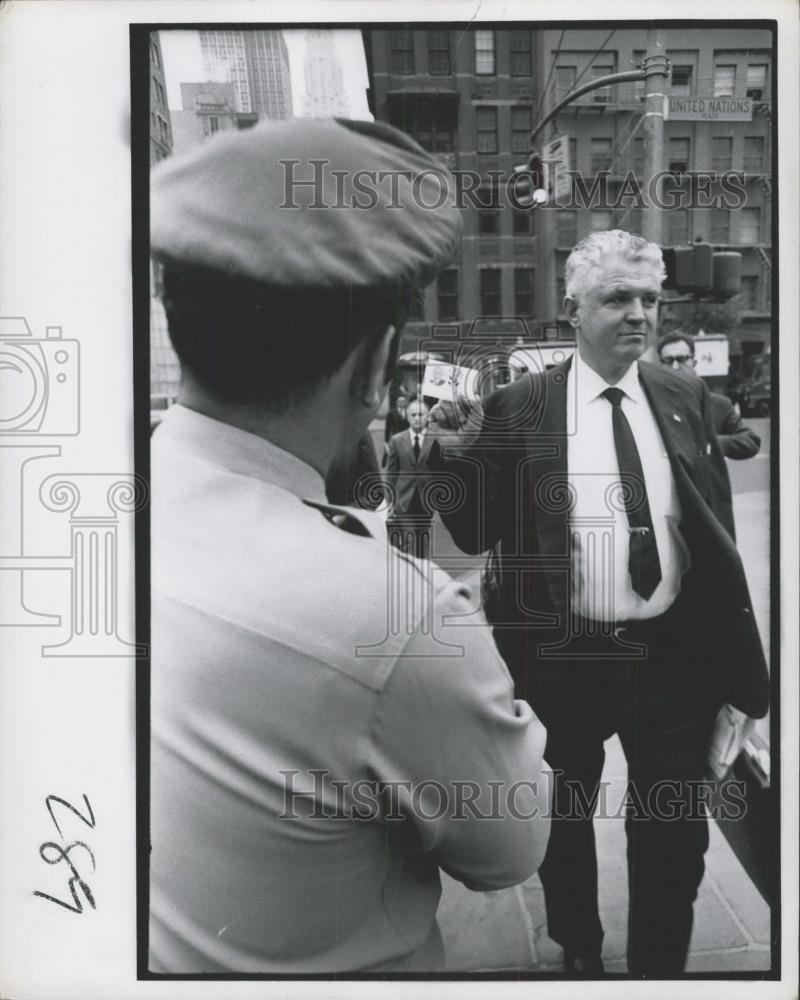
pixel 664 721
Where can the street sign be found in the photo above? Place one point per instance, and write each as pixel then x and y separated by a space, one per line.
pixel 710 109
pixel 712 355
pixel 556 154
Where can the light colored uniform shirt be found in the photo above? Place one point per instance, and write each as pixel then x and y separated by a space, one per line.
pixel 601 583
pixel 276 648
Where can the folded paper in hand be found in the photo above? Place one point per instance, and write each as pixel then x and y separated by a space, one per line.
pixel 443 381
pixel 731 730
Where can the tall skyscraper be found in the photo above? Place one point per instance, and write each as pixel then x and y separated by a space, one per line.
pixel 325 92
pixel 256 63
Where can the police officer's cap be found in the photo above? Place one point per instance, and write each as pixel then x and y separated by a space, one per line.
pixel 243 204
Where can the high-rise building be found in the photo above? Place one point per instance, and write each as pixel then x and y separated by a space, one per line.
pixel 325 94
pixel 256 63
pixel 207 108
pixel 160 125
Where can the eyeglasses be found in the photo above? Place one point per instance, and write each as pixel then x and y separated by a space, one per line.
pixel 681 359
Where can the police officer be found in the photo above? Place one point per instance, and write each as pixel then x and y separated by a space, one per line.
pixel 310 756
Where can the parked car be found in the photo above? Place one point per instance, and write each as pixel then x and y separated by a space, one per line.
pixel 755 388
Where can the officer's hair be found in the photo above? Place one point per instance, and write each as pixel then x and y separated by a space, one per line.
pixel 676 337
pixel 594 250
pixel 245 342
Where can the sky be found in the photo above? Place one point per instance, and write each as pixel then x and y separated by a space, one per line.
pixel 183 63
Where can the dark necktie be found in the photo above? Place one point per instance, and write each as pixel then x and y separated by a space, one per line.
pixel 644 565
pixel 416 447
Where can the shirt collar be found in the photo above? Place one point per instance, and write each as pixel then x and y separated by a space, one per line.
pixel 591 385
pixel 241 452
pixel 419 434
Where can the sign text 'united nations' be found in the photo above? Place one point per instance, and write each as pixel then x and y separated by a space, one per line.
pixel 711 109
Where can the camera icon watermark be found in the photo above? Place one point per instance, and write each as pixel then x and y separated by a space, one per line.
pixel 40 400
pixel 39 381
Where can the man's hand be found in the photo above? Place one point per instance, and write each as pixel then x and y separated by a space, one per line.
pixel 456 426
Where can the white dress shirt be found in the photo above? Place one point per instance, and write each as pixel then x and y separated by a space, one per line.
pixel 417 434
pixel 601 583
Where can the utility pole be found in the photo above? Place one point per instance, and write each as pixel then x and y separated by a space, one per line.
pixel 656 70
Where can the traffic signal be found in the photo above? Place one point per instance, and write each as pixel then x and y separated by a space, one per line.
pixel 698 270
pixel 530 184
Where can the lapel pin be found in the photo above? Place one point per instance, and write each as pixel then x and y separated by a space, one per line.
pixel 676 417
pixel 708 449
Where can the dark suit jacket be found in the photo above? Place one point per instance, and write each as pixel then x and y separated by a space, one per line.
pixel 360 461
pixel 406 477
pixel 736 439
pixel 516 480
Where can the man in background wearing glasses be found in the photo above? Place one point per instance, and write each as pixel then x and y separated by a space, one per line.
pixel 677 351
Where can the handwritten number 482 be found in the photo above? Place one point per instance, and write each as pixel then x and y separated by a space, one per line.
pixel 54 854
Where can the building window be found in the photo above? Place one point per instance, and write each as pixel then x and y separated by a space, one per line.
pixel 749 295
pixel 601 155
pixel 521 125
pixel 757 82
pixel 565 81
pixel 721 152
pixel 155 58
pixel 678 226
pixel 447 295
pixel 520 53
pixel 679 155
pixel 523 291
pixel 724 81
pixel 401 52
pixel 484 53
pixel 750 225
pixel 213 124
pixel 160 98
pixel 681 81
pixel 522 222
pixel 435 138
pixel 602 96
pixel 488 212
pixel 486 128
pixel 491 299
pixel 601 220
pixel 753 154
pixel 566 228
pixel 720 225
pixel 163 129
pixel 439 53
pixel 573 154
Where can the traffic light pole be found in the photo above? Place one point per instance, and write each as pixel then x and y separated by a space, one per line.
pixel 656 70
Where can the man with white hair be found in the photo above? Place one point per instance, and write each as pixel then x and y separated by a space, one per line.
pixel 624 606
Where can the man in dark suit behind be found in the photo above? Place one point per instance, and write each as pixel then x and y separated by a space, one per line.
pixel 737 440
pixel 624 606
pixel 408 475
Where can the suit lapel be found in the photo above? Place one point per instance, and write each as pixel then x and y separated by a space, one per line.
pixel 672 417
pixel 424 449
pixel 546 486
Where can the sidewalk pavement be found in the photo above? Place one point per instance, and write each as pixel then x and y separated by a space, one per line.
pixel 506 930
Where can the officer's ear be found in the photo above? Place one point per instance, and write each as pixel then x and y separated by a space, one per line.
pixel 373 360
